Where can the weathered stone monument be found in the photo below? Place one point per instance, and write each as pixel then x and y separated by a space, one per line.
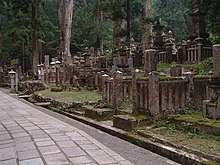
pixel 211 107
pixel 150 61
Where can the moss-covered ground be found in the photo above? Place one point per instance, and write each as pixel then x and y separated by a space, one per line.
pixel 79 95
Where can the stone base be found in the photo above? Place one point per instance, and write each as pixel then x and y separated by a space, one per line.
pixel 128 122
pixel 210 110
pixel 98 114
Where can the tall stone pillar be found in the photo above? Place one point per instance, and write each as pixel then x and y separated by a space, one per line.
pixel 169 50
pixel 185 47
pixel 134 93
pixel 47 65
pixel 150 61
pixel 118 89
pixel 216 59
pixel 153 89
pixel 105 78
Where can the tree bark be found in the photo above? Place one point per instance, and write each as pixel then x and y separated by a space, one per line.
pixel 147 31
pixel 65 18
pixel 0 33
pixel 35 17
pixel 99 24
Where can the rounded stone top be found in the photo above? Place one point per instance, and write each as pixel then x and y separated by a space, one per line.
pixel 170 32
pixel 12 72
pixel 57 62
pixel 53 63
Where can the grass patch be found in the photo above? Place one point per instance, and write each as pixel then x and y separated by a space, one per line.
pixel 202 68
pixel 81 95
pixel 195 140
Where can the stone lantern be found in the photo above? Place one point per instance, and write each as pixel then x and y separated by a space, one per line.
pixel 12 77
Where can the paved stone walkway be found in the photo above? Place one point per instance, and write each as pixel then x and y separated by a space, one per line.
pixel 30 137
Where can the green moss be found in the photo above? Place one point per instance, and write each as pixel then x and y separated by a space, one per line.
pixel 212 104
pixel 170 78
pixel 198 119
pixel 81 95
pixel 127 78
pixel 201 77
pixel 143 78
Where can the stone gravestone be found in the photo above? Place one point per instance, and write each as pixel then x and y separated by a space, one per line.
pixel 150 60
pixel 176 70
pixel 130 64
pixel 114 67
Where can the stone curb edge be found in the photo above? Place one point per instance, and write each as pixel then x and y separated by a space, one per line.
pixel 166 151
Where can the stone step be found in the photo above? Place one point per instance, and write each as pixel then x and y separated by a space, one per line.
pixel 43 104
pixel 25 96
pixel 98 113
pixel 78 113
pixel 129 122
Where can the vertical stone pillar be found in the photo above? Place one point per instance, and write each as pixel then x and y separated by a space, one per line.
pixel 190 91
pixel 180 54
pixel 185 46
pixel 101 62
pixel 153 89
pixel 169 52
pixel 20 75
pixel 130 64
pixel 150 61
pixel 47 65
pixel 105 78
pixel 134 93
pixel 216 59
pixel 200 51
pixel 117 89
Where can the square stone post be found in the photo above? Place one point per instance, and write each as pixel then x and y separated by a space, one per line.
pixel 153 89
pixel 185 47
pixel 134 93
pixel 117 89
pixel 216 59
pixel 169 52
pixel 105 78
pixel 47 65
pixel 150 61
pixel 130 64
pixel 190 91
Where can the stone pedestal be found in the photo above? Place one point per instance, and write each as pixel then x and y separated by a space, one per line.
pixel 216 59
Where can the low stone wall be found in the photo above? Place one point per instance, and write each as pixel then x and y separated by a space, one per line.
pixel 159 96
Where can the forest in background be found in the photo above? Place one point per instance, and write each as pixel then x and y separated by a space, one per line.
pixel 17 24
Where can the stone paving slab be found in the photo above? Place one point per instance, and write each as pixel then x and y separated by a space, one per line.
pixel 30 137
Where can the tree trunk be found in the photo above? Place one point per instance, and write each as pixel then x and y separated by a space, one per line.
pixel 35 16
pixel 129 25
pixel 0 33
pixel 65 19
pixel 147 31
pixel 99 24
pixel 117 27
